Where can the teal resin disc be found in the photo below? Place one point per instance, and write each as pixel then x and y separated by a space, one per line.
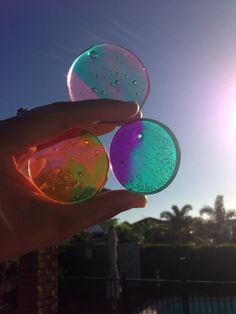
pixel 108 71
pixel 145 156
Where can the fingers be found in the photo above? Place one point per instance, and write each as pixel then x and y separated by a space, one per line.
pixel 100 129
pixel 89 111
pixel 138 115
pixel 103 128
pixel 98 209
pixel 43 123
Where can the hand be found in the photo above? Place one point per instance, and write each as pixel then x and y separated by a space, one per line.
pixel 28 221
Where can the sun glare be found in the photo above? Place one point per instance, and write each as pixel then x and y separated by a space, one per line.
pixel 233 119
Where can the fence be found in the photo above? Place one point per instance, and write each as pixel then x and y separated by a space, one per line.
pixel 87 295
pixel 148 296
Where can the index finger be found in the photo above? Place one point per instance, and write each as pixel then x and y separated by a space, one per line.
pixel 88 111
pixel 43 123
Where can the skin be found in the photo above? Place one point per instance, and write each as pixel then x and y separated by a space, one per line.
pixel 29 221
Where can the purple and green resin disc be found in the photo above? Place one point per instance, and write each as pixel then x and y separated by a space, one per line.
pixel 145 156
pixel 108 71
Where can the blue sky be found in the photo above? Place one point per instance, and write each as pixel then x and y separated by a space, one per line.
pixel 189 50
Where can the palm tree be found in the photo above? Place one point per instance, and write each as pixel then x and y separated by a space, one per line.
pixel 221 218
pixel 202 231
pixel 179 222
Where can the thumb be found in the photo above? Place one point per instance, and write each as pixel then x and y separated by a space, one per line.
pixel 100 208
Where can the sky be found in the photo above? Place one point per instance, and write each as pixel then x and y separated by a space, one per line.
pixel 189 50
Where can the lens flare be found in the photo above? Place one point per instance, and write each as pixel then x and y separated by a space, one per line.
pixel 233 119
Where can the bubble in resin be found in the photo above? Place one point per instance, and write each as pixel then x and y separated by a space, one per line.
pixel 145 156
pixel 71 170
pixel 108 71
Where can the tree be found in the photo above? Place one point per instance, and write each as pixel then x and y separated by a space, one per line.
pixel 179 223
pixel 153 230
pixel 201 232
pixel 222 219
pixel 127 232
pixel 109 223
pixel 157 233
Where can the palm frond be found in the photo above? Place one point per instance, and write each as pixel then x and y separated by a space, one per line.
pixel 166 215
pixel 231 213
pixel 176 210
pixel 186 209
pixel 208 211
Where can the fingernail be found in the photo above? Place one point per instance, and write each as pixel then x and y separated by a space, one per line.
pixel 140 201
pixel 134 105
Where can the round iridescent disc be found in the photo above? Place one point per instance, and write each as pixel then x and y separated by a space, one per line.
pixel 108 71
pixel 145 156
pixel 71 170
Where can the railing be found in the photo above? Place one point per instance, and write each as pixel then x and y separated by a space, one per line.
pixel 182 297
pixel 88 295
pixel 149 296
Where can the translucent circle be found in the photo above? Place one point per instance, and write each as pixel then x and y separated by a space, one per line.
pixel 70 171
pixel 144 156
pixel 108 71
